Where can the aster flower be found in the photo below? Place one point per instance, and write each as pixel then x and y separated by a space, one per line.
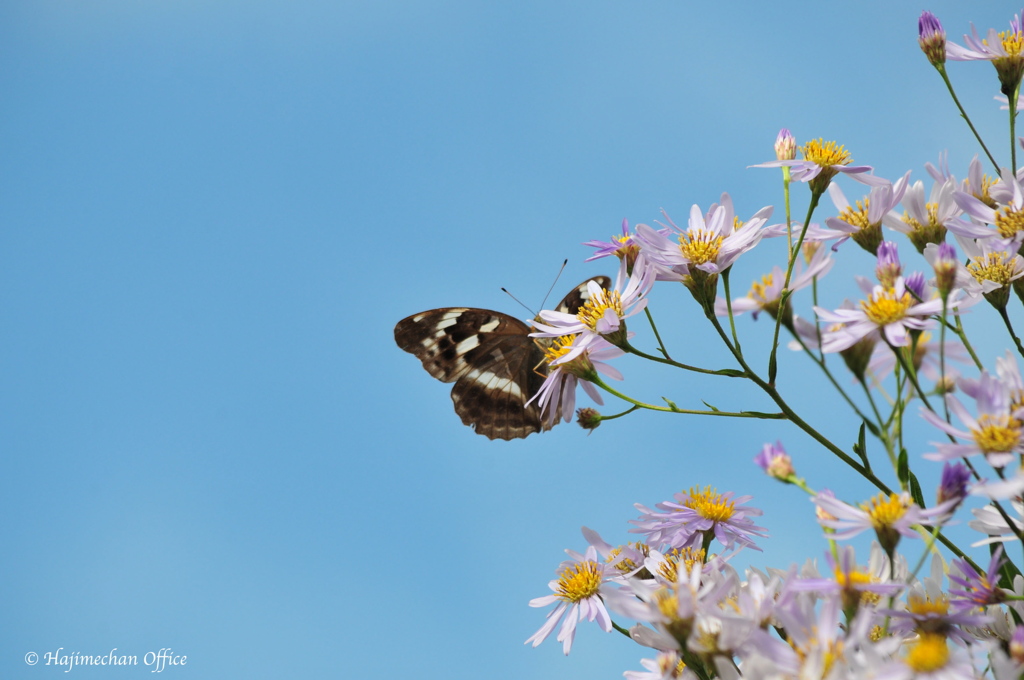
pixel 995 433
pixel 924 221
pixel 765 295
pixel 953 485
pixel 864 223
pixel 785 145
pixel 624 247
pixel 627 559
pixel 989 521
pixel 605 312
pixel 1006 215
pixel 577 590
pixel 570 365
pixel 821 162
pixel 849 582
pixel 697 515
pixel 1005 51
pixel 708 246
pixel 929 658
pixel 976 589
pixel 942 258
pixel 891 311
pixel 889 516
pixel 666 666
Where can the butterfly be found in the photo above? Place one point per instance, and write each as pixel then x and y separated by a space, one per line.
pixel 495 365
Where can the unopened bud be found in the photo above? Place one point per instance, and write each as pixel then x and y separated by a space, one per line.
pixel 932 38
pixel 785 145
pixel 588 418
pixel 889 267
pixel 774 460
pixel 945 266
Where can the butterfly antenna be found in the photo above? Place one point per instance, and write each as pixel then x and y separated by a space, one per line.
pixel 557 276
pixel 532 313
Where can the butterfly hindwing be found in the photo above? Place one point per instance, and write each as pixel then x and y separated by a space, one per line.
pixel 490 358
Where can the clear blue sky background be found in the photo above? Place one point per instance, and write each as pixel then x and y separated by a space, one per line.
pixel 213 213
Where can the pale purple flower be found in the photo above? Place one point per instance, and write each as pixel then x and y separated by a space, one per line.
pixel 577 590
pixel 1006 218
pixel 569 366
pixel 1002 49
pixel 893 311
pixel 765 294
pixel 666 666
pixel 976 589
pixel 863 222
pixel 683 522
pixel 923 221
pixel 995 432
pixel 846 579
pixel 710 243
pixel 989 521
pixel 895 513
pixel 927 359
pixel 605 311
pixel 821 162
pixel 774 460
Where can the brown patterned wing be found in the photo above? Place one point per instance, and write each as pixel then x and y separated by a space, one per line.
pixel 491 360
pixel 495 365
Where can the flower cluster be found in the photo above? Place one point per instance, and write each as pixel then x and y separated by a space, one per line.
pixel 935 254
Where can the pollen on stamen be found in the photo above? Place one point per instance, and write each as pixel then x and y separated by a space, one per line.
pixel 824 153
pixel 710 504
pixel 923 234
pixel 700 246
pixel 929 654
pixel 997 267
pixel 997 434
pixel 885 308
pixel 1009 222
pixel 758 291
pixel 594 310
pixel 559 348
pixel 579 581
pixel 885 512
pixel 857 217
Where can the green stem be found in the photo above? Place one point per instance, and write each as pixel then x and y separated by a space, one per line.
pixel 1009 328
pixel 941 68
pixel 671 362
pixel 1012 105
pixel 962 334
pixel 657 335
pixel 672 408
pixel 728 305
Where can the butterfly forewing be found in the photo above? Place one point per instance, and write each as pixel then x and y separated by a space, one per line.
pixel 490 358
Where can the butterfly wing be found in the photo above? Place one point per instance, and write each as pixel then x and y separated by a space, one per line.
pixel 490 358
pixel 495 365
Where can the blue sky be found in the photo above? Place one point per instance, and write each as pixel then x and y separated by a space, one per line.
pixel 215 212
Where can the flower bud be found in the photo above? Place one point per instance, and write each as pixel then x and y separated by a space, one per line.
pixel 932 38
pixel 774 460
pixel 888 268
pixel 785 145
pixel 954 483
pixel 945 266
pixel 588 418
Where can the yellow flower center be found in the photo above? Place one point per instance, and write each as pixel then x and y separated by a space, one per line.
pixel 859 217
pixel 758 291
pixel 884 308
pixel 885 512
pixel 594 310
pixel 998 267
pixel 1013 43
pixel 997 434
pixel 626 565
pixel 579 581
pixel 929 654
pixel 933 218
pixel 625 249
pixel 983 194
pixel 700 247
pixel 824 153
pixel 852 579
pixel 1009 222
pixel 710 505
pixel 923 606
pixel 559 348
pixel 669 569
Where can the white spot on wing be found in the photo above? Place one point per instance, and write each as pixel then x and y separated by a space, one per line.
pixel 467 344
pixel 490 325
pixel 494 382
